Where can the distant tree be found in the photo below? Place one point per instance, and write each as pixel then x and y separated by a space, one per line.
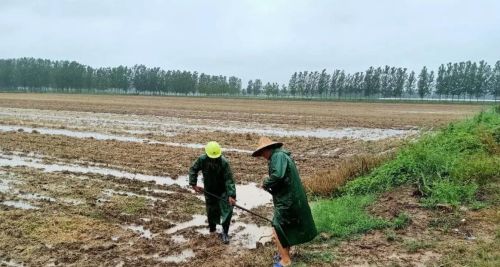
pixel 250 87
pixel 323 83
pixel 283 90
pixel 333 90
pixel 358 83
pixel 441 86
pixel 410 84
pixel 341 84
pixel 292 85
pixel 257 87
pixel 424 80
pixel 400 80
pixel 234 85
pixel 268 89
pixel 310 83
pixel 385 82
pixel 430 83
pixel 495 81
pixel 482 77
pixel 370 82
pixel 301 83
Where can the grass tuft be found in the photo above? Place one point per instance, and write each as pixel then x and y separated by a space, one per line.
pixel 345 216
pixel 401 221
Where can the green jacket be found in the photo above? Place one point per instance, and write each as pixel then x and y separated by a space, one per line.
pixel 291 210
pixel 217 175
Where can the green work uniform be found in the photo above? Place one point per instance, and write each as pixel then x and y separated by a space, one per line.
pixel 218 180
pixel 291 210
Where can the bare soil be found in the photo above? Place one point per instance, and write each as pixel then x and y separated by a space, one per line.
pixel 84 218
pixel 297 113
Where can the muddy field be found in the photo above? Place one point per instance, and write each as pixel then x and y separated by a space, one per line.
pixel 101 180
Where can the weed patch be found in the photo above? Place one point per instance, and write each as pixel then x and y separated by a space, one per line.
pixel 448 167
pixel 345 216
pixel 401 221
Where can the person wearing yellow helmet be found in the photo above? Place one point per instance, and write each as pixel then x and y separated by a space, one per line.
pixel 218 180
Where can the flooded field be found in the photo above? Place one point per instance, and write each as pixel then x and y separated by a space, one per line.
pixel 101 180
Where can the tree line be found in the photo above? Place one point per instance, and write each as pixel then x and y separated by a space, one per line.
pixel 453 80
pixel 32 74
pixel 464 79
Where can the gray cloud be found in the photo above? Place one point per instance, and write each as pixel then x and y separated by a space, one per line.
pixel 252 38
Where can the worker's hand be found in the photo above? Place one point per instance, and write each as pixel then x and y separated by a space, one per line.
pixel 231 201
pixel 197 189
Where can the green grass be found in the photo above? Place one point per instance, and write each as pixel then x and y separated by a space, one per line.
pixel 452 166
pixel 401 221
pixel 448 167
pixel 345 216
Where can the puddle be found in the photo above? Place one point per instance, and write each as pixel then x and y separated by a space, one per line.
pixel 249 195
pixel 10 263
pixel 243 234
pixel 5 187
pixel 367 134
pixel 102 136
pixel 169 126
pixel 72 201
pixel 30 196
pixel 110 192
pixel 158 191
pixel 19 205
pixel 250 235
pixel 246 235
pixel 77 134
pixel 17 161
pixel 145 233
pixel 178 258
pixel 179 239
pixel 198 220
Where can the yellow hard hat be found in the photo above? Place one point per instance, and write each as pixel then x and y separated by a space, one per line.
pixel 213 150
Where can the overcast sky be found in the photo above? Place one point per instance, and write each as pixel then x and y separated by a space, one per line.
pixel 251 39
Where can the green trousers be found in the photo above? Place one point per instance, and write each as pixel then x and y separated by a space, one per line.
pixel 218 212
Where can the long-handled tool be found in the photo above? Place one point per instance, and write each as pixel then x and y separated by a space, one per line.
pixel 238 206
pixel 276 226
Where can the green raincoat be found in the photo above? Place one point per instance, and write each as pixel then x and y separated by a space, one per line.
pixel 218 180
pixel 291 210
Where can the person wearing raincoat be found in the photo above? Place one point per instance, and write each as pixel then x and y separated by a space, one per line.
pixel 218 180
pixel 292 220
